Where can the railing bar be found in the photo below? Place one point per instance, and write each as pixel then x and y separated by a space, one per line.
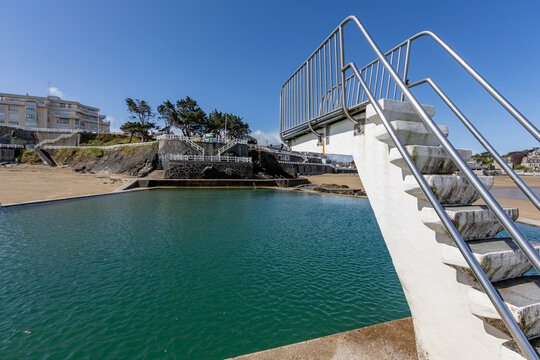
pixel 406 67
pixel 382 83
pixel 398 63
pixel 376 79
pixel 319 88
pixel 337 72
pixel 389 77
pixel 309 90
pixel 371 77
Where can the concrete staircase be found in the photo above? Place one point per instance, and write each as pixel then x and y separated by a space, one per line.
pixel 45 157
pixel 451 314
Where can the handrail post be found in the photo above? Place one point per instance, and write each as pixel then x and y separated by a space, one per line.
pixel 342 71
pixel 406 67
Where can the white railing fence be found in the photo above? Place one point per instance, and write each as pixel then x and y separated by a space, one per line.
pixel 172 157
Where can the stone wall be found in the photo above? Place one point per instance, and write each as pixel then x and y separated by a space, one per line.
pixel 71 140
pixel 7 154
pixel 306 169
pixel 25 137
pixel 186 169
pixel 176 147
pixel 16 136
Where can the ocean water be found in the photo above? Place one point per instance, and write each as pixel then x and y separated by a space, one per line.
pixel 189 274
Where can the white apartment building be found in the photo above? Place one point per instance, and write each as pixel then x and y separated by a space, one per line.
pixel 51 112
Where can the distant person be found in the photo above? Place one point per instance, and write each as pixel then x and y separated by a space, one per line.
pixel 281 147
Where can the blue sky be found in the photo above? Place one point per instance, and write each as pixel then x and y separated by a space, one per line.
pixel 235 55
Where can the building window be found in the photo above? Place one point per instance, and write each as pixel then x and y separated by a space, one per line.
pixel 31 116
pixel 13 108
pixel 69 106
pixel 13 116
pixel 14 123
pixel 2 115
pixel 62 105
pixel 2 108
pixel 30 108
pixel 62 121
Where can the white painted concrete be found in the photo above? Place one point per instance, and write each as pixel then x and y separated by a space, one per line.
pixel 444 326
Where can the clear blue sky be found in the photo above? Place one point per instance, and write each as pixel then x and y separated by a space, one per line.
pixel 235 55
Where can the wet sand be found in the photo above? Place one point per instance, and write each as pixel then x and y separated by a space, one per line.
pixel 351 180
pixel 27 183
pixel 503 186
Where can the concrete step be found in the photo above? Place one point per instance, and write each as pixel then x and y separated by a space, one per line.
pixel 521 296
pixel 410 133
pixel 501 259
pixel 473 222
pixel 510 351
pixel 428 159
pixel 449 189
pixel 396 110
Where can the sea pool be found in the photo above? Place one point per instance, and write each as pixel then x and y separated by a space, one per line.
pixel 190 274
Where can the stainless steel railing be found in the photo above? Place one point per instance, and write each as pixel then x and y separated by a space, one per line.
pixel 298 97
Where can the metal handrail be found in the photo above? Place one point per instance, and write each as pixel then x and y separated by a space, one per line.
pixel 483 82
pixel 493 205
pixel 519 182
pixel 481 277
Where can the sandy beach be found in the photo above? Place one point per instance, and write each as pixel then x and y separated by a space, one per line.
pixel 25 183
pixel 351 180
pixel 528 213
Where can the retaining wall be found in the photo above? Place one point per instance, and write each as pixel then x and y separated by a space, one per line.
pixel 7 154
pixel 187 169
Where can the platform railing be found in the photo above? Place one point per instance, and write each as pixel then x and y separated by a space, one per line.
pixel 296 106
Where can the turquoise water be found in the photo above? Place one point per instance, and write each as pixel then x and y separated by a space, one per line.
pixel 189 274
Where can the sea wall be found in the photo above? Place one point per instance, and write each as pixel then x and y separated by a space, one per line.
pixel 187 169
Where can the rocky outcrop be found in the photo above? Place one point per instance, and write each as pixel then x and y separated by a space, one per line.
pixel 266 165
pixel 134 161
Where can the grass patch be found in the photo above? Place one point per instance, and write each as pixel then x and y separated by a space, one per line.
pixel 109 139
pixel 28 156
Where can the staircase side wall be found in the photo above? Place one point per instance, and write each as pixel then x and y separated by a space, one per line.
pixel 444 326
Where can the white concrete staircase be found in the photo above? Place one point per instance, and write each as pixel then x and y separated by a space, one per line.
pixel 453 317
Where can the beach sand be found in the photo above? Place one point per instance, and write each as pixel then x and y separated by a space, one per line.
pixel 528 213
pixel 351 180
pixel 24 183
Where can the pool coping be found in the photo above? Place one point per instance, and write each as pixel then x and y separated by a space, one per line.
pixel 154 184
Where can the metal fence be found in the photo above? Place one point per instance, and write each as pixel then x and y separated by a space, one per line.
pixel 12 146
pixel 319 88
pixel 208 158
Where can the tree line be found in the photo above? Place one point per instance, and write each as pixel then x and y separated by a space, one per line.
pixel 184 114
